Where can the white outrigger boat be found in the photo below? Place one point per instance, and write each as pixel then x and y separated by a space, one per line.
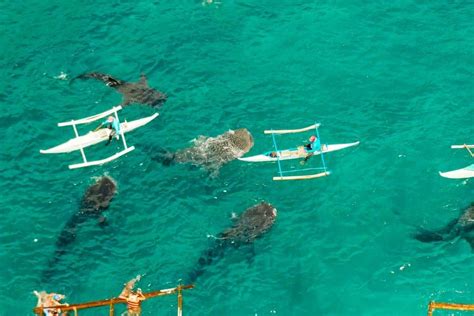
pixel 463 173
pixel 297 153
pixel 95 137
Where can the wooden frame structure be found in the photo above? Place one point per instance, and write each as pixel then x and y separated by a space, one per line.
pixel 464 146
pixel 449 306
pixel 113 301
pixel 324 172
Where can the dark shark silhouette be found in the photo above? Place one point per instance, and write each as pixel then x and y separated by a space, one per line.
pixel 252 224
pixel 96 199
pixel 211 152
pixel 137 92
pixel 461 227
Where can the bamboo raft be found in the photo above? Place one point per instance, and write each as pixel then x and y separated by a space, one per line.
pixel 113 301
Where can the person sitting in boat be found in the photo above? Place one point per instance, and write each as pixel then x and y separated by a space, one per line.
pixel 134 299
pixel 313 145
pixel 113 124
pixel 49 300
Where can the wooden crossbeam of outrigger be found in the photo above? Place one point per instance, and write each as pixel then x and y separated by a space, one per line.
pixel 113 301
pixel 291 131
pixel 464 146
pixel 305 177
pixel 449 306
pixel 92 118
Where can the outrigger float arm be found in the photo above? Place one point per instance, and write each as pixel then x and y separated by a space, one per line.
pixel 305 177
pixel 103 161
pixel 461 146
pixel 92 118
pixel 467 147
pixel 290 131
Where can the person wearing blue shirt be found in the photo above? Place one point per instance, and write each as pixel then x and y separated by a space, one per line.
pixel 313 145
pixel 113 124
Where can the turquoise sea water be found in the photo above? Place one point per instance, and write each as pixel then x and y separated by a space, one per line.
pixel 398 76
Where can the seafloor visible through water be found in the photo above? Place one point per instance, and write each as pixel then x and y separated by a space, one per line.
pixel 396 75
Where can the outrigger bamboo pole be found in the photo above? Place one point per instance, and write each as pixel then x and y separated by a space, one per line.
pixel 81 149
pixel 461 146
pixel 467 147
pixel 180 302
pixel 290 131
pixel 449 306
pixel 121 131
pixel 92 118
pixel 306 177
pixel 469 150
pixel 111 302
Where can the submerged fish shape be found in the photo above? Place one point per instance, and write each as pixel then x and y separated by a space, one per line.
pixel 461 227
pixel 96 199
pixel 212 153
pixel 250 225
pixel 133 92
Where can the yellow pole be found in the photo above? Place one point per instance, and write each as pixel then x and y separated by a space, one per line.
pixel 451 306
pixel 111 312
pixel 180 301
pixel 39 310
pixel 430 309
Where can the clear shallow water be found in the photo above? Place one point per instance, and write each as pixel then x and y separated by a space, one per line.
pixel 396 76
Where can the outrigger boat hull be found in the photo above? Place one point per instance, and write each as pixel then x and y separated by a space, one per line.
pixel 96 137
pixel 467 172
pixel 463 173
pixel 296 153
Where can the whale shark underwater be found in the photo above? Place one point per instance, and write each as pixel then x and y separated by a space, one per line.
pixel 211 153
pixel 462 227
pixel 249 226
pixel 96 199
pixel 133 92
